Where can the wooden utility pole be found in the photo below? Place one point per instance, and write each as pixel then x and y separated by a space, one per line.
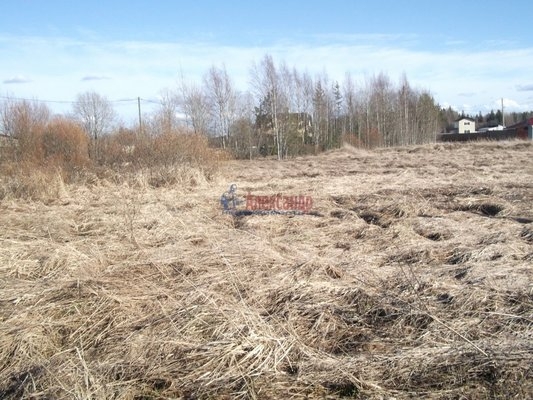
pixel 140 121
pixel 503 115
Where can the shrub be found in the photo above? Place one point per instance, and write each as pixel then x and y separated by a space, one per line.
pixel 117 149
pixel 168 152
pixel 65 144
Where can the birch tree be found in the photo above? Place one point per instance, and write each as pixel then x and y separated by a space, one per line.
pixel 222 101
pixel 167 114
pixel 350 108
pixel 96 116
pixel 267 84
pixel 194 104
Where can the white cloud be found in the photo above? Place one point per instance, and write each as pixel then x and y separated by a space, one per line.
pixel 17 79
pixel 144 68
pixel 525 88
pixel 95 78
pixel 509 104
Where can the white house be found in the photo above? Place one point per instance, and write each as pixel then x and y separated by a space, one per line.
pixel 464 125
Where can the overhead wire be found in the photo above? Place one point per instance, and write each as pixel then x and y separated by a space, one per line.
pixel 74 102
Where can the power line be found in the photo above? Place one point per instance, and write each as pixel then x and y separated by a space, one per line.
pixel 42 101
pixel 132 100
pixel 151 101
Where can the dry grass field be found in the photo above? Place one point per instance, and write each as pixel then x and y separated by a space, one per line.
pixel 412 279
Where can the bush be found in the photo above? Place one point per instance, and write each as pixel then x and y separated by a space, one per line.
pixel 65 144
pixel 46 157
pixel 117 149
pixel 165 152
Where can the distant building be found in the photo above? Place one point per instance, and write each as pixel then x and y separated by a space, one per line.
pixel 464 125
pixel 492 128
pixel 524 129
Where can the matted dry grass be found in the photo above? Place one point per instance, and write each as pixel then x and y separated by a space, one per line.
pixel 415 280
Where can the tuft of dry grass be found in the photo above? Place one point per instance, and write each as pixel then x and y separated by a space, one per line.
pixel 27 181
pixel 406 283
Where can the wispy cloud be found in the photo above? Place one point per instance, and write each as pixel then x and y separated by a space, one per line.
pixel 509 103
pixel 17 79
pixel 455 43
pixel 95 78
pixel 358 39
pixel 525 88
pixel 144 68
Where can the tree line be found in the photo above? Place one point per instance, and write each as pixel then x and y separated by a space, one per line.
pixel 284 112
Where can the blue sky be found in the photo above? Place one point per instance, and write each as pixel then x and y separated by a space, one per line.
pixel 468 54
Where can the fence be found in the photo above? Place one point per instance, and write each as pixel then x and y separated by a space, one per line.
pixel 507 134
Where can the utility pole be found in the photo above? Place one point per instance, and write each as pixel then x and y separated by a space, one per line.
pixel 140 121
pixel 503 115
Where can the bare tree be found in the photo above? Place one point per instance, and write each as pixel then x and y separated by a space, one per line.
pixel 267 85
pixel 298 101
pixel 382 104
pixel 244 143
pixel 350 109
pixel 292 121
pixel 222 101
pixel 320 115
pixel 24 120
pixel 194 104
pixel 96 115
pixel 19 117
pixel 406 129
pixel 427 118
pixel 166 118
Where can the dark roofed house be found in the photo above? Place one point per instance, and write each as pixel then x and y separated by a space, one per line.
pixel 524 129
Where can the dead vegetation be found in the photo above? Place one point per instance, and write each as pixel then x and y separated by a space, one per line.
pixel 412 280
